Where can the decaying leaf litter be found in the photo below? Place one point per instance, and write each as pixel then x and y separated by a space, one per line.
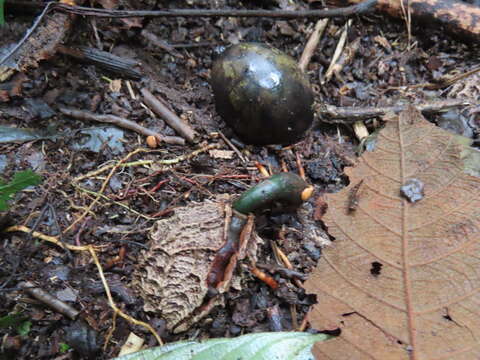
pixel 136 195
pixel 413 254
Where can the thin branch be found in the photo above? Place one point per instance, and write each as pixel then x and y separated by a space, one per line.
pixel 118 203
pixel 445 81
pixel 50 300
pixel 120 122
pixel 103 59
pixel 312 44
pixel 232 146
pixel 357 9
pixel 166 114
pixel 333 114
pixel 155 40
pixel 338 52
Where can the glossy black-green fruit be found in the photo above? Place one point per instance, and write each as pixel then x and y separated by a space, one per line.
pixel 260 92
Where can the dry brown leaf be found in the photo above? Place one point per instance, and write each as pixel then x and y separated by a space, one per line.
pixel 402 279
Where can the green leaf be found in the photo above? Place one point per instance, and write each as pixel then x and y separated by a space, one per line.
pixel 24 328
pixel 20 181
pixel 17 321
pixel 2 16
pixel 63 348
pixel 13 319
pixel 259 346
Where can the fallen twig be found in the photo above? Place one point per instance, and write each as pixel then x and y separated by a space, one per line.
pixel 458 17
pixel 170 118
pixel 301 169
pixel 50 300
pixel 284 259
pixel 120 122
pixel 233 147
pixel 333 114
pixel 312 44
pixel 357 9
pixel 442 82
pixel 280 255
pixel 29 33
pixel 338 51
pixel 110 331
pixel 345 58
pixel 155 40
pixel 304 323
pixel 52 213
pixel 39 42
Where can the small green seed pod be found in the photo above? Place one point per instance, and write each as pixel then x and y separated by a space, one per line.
pixel 285 188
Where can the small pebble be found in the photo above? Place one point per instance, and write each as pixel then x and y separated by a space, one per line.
pixel 82 338
pixel 412 190
pixel 313 252
pixel 235 330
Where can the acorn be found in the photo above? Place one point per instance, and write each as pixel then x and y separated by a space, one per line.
pixel 262 94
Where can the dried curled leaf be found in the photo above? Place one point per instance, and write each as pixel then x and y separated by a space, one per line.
pixel 402 278
pixel 172 275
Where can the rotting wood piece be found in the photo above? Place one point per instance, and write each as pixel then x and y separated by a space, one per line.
pixel 458 17
pixel 39 43
pixel 103 59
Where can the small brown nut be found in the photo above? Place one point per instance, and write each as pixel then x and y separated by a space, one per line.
pixel 152 141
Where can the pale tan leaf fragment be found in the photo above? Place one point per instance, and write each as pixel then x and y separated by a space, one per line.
pixel 222 154
pixel 401 280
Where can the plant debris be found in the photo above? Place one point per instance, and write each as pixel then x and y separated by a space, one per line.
pixel 397 267
pixel 80 234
